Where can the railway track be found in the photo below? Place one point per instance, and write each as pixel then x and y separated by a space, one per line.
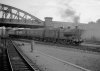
pixel 4 60
pixel 16 60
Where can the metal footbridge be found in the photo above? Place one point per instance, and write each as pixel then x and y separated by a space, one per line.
pixel 14 17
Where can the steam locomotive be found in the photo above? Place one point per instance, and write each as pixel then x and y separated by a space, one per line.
pixel 55 35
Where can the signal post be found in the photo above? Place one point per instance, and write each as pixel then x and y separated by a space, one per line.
pixel 32 45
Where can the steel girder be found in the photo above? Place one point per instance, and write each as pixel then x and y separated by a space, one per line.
pixel 11 13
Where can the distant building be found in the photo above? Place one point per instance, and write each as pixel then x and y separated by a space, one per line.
pixel 91 31
pixel 50 23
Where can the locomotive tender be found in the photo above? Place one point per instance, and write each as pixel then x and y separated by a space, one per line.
pixel 49 34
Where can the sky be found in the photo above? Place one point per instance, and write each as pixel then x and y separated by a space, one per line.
pixel 61 10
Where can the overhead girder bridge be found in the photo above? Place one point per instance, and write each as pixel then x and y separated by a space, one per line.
pixel 14 17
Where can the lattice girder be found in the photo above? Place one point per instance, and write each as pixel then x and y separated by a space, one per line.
pixel 9 12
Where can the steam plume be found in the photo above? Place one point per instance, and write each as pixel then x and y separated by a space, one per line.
pixel 69 14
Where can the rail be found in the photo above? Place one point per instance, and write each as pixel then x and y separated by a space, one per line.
pixel 17 59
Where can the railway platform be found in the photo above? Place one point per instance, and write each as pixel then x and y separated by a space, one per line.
pixel 47 62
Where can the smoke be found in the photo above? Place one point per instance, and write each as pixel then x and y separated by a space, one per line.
pixel 76 19
pixel 68 13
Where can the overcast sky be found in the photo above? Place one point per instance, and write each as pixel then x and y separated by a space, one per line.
pixel 60 10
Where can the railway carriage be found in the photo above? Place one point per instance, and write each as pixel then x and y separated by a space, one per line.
pixel 37 34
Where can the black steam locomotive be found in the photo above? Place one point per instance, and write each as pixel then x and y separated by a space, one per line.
pixel 56 35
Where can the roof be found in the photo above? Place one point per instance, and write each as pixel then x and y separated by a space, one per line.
pixel 61 24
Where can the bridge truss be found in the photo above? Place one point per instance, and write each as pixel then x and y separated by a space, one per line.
pixel 14 15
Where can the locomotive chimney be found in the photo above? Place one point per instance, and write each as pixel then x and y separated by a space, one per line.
pixel 48 22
